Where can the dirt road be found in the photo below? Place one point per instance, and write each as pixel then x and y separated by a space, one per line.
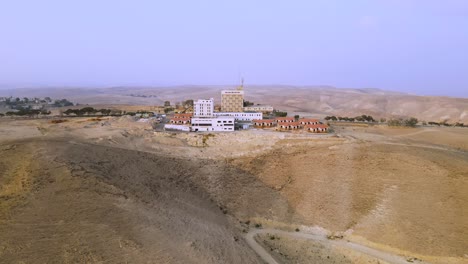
pixel 380 255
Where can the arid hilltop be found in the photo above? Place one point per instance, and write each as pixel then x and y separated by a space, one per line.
pixel 308 100
pixel 114 190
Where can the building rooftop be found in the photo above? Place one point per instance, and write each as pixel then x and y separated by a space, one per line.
pixel 316 126
pixel 263 120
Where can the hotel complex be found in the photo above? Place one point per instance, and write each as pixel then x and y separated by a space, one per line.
pixel 234 115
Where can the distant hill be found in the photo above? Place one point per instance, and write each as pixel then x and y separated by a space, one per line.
pixel 305 100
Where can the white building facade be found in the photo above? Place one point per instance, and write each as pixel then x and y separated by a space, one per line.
pixel 259 108
pixel 241 116
pixel 203 108
pixel 222 123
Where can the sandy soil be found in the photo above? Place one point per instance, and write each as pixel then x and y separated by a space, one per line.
pixel 115 191
pixel 303 100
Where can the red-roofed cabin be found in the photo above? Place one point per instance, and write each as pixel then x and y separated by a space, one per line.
pixel 182 116
pixel 181 121
pixel 309 121
pixel 319 128
pixel 264 122
pixel 284 120
pixel 289 125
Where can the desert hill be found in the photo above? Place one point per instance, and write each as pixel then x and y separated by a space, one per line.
pixel 116 191
pixel 307 100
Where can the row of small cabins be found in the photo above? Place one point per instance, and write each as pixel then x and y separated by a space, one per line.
pixel 181 119
pixel 282 123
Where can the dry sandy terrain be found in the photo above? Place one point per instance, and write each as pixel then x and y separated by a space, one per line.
pixel 311 100
pixel 115 191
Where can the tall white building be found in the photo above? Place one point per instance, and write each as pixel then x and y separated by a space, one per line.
pixel 203 108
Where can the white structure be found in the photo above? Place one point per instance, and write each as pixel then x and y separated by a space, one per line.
pixel 203 108
pixel 259 108
pixel 176 127
pixel 241 116
pixel 213 124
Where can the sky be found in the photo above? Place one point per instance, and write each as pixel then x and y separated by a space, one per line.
pixel 414 46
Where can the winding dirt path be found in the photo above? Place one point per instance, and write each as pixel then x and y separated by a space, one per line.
pixel 250 237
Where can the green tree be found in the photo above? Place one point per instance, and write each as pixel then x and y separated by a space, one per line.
pixel 248 103
pixel 281 114
pixel 188 103
pixel 169 109
pixel 394 122
pixel 411 122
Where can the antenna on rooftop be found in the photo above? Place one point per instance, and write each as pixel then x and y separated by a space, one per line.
pixel 241 86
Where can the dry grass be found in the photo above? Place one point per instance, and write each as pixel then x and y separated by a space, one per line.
pixel 58 121
pixel 16 180
pixel 97 119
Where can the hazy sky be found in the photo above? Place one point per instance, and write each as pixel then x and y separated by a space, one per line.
pixel 417 46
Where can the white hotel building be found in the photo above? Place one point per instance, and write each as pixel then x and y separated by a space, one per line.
pixel 203 108
pixel 205 120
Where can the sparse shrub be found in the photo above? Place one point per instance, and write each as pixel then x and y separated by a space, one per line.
pixel 248 103
pixel 168 109
pixel 297 230
pixel 206 137
pixel 394 122
pixel 280 114
pixel 411 122
pixel 63 102
pixel 335 236
pixel 58 121
pixel 258 225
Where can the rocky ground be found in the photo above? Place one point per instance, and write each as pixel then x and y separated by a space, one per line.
pixel 113 190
